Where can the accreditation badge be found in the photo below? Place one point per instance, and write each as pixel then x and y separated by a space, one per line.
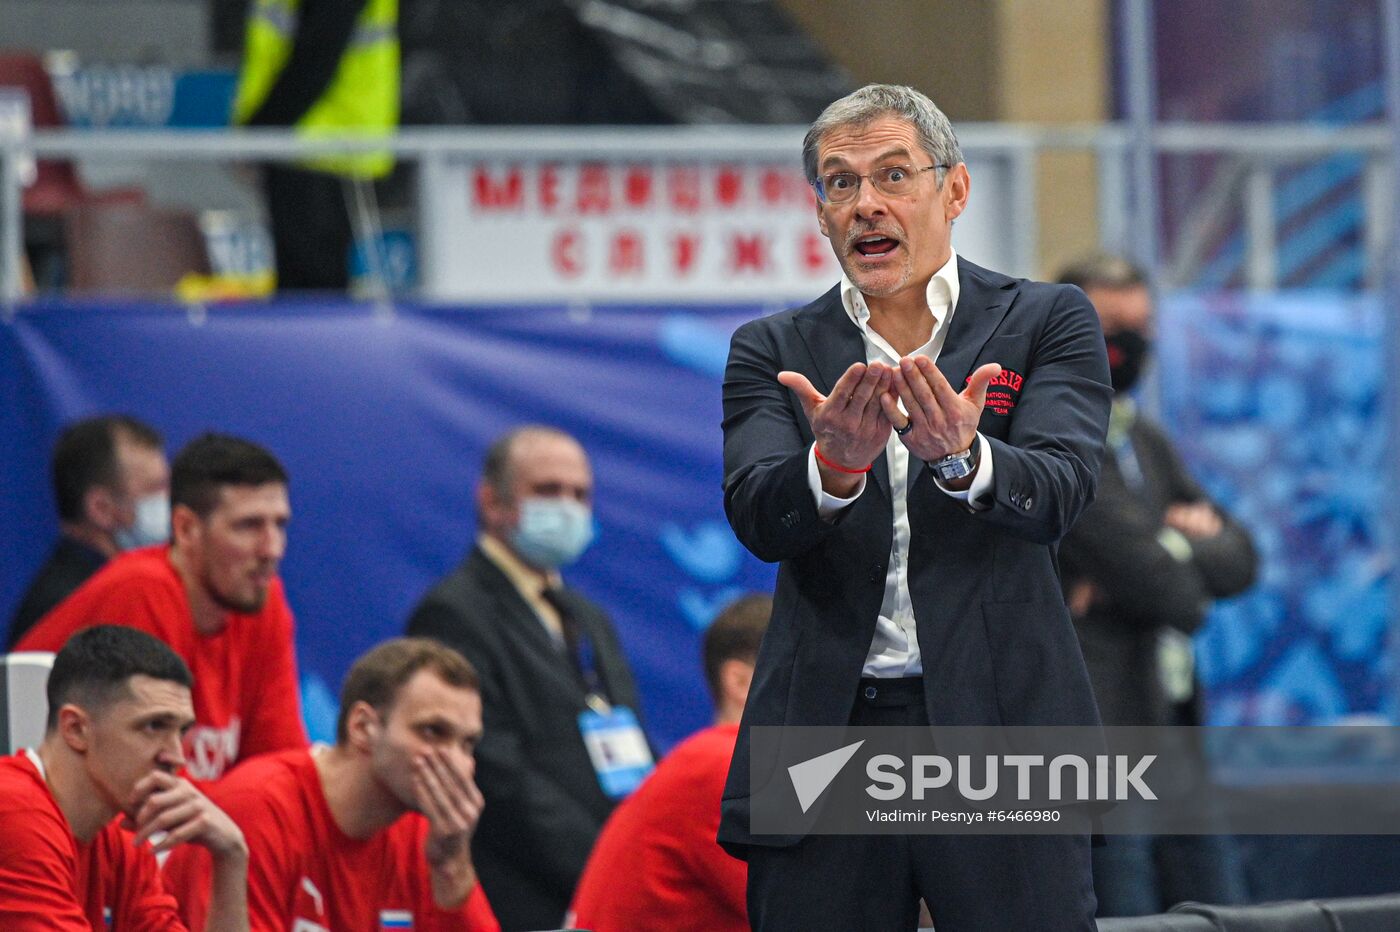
pixel 617 747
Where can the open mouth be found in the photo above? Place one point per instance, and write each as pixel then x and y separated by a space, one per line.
pixel 875 245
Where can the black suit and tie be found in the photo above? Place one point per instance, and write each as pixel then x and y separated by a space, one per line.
pixel 997 644
pixel 544 804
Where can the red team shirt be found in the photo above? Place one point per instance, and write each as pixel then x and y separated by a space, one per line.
pixel 48 881
pixel 245 687
pixel 656 864
pixel 306 874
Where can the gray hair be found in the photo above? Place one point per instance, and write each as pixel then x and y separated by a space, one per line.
pixel 859 108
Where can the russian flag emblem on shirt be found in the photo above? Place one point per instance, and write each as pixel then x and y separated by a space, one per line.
pixel 395 919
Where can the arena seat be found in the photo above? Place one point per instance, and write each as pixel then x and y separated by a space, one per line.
pixel 1348 914
pixel 1295 916
pixel 1163 923
pixel 1363 913
pixel 24 707
pixel 57 187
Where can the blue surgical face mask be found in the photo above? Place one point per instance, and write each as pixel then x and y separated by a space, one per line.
pixel 553 532
pixel 152 524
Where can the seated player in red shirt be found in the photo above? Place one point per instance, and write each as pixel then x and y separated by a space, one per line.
pixel 656 864
pixel 213 595
pixel 118 703
pixel 374 832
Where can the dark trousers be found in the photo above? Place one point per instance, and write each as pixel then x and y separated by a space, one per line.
pixel 971 883
pixel 311 232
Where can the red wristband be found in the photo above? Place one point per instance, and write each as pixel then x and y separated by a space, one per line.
pixel 822 459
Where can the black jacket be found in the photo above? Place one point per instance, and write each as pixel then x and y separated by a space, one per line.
pixel 69 565
pixel 544 806
pixel 1141 587
pixel 997 643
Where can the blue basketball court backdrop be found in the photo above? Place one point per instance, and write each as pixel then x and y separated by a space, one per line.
pixel 382 422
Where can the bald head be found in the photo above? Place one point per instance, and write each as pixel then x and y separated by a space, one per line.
pixel 531 463
pixel 529 444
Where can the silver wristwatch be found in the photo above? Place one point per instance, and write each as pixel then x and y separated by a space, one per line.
pixel 957 466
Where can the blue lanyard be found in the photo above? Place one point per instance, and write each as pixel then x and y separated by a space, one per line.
pixel 579 647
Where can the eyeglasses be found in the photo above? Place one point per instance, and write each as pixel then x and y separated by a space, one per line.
pixel 892 180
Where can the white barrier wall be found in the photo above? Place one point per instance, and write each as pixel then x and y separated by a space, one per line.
pixel 659 226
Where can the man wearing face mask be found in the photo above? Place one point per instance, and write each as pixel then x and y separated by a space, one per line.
pixel 111 483
pixel 1140 569
pixel 562 743
pixel 213 595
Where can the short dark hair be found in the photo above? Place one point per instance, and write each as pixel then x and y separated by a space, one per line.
pixel 94 668
pixel 495 468
pixel 85 456
pixel 377 676
pixel 735 634
pixel 1103 271
pixel 211 461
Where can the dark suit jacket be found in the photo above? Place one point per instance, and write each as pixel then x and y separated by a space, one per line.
pixel 544 806
pixel 997 643
pixel 1143 588
pixel 68 567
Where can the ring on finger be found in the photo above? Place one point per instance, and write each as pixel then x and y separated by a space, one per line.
pixel 908 426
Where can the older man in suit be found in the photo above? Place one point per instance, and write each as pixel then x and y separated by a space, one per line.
pixel 909 448
pixel 551 670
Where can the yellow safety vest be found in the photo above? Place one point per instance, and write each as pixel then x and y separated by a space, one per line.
pixel 363 97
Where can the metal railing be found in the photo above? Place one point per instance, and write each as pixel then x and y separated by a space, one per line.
pixel 1251 156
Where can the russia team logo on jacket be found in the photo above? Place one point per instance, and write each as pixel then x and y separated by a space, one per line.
pixel 1004 391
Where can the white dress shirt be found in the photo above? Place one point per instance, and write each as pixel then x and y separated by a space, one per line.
pixel 894 651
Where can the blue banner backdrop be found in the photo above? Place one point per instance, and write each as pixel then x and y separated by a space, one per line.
pixel 382 424
pixel 1276 402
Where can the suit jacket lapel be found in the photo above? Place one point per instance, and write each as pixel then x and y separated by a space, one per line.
pixel 833 340
pixel 983 300
pixel 527 632
pixel 835 344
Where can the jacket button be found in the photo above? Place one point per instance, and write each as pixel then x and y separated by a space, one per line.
pixel 790 519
